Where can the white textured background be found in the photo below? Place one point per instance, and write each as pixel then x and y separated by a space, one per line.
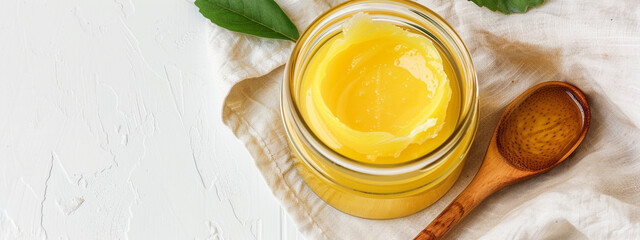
pixel 110 128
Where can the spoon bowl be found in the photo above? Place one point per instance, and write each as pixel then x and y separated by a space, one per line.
pixel 537 131
pixel 543 126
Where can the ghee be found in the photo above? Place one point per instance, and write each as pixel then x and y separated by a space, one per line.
pixel 391 160
pixel 378 93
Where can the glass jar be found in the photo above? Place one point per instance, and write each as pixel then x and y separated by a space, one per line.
pixel 378 191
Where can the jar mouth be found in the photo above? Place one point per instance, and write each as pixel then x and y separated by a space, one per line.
pixel 418 18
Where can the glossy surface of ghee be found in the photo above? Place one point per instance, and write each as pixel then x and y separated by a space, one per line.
pixel 378 93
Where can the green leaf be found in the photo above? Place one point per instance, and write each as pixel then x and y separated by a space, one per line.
pixel 263 18
pixel 508 6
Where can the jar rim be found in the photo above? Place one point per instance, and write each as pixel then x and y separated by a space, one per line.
pixel 419 163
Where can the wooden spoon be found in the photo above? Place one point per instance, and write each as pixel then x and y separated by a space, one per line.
pixel 536 132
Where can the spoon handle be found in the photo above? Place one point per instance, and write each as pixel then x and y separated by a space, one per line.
pixel 482 185
pixel 451 215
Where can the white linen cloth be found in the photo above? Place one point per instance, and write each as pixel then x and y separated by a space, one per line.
pixel 594 45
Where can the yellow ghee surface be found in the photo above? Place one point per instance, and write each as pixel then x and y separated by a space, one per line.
pixel 378 93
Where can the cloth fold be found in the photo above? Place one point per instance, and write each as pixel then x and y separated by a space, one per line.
pixel 594 45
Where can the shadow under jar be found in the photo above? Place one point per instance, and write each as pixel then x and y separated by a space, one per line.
pixel 381 191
